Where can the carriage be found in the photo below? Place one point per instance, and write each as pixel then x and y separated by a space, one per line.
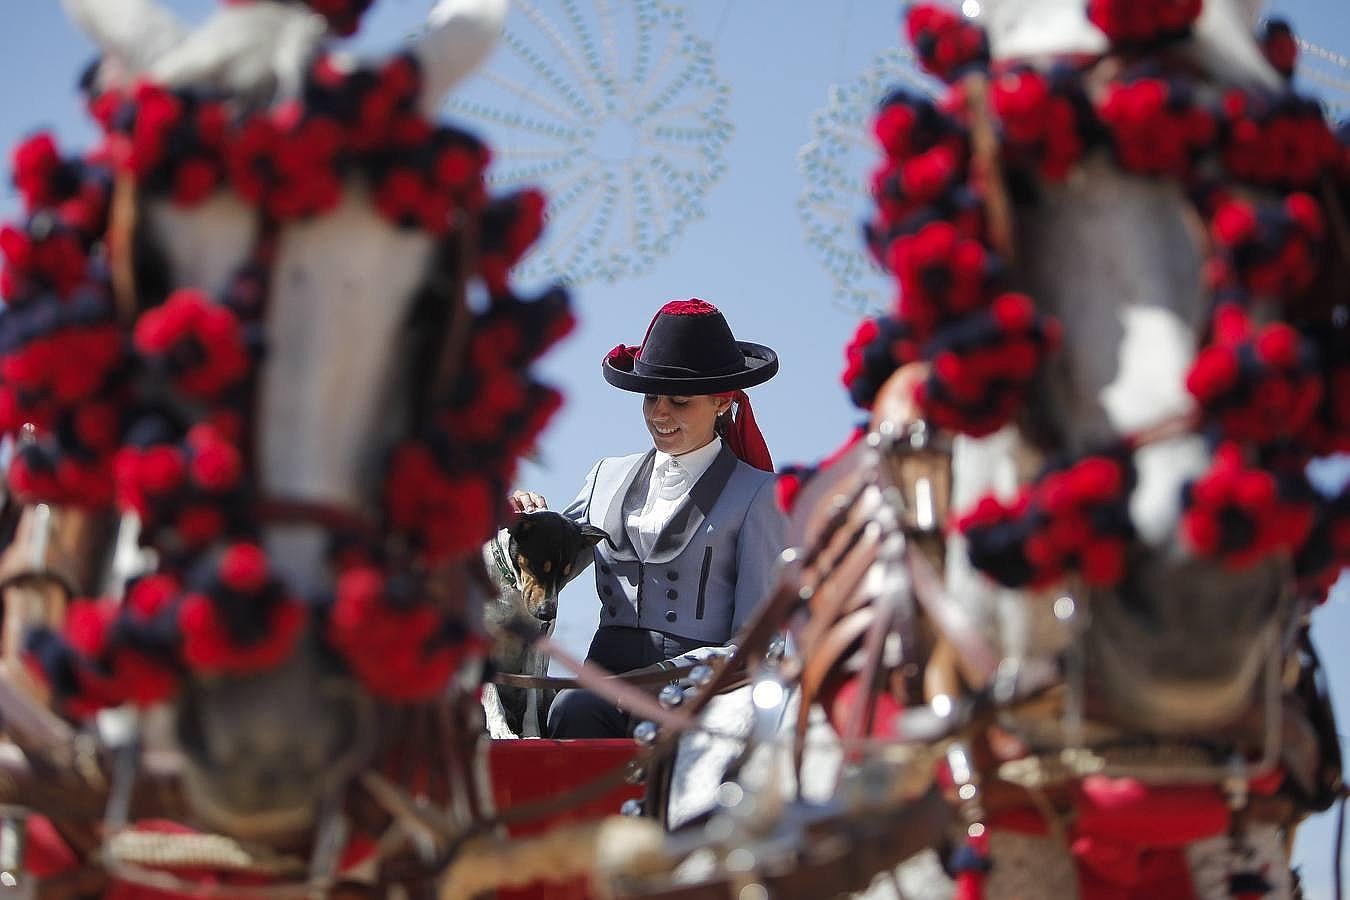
pixel 959 657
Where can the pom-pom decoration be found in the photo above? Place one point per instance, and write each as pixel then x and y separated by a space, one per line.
pixel 1268 251
pixel 946 42
pixel 1278 141
pixel 1045 118
pixel 198 345
pixel 107 654
pixel 1238 514
pixel 1279 46
pixel 1134 24
pixel 400 644
pixel 879 347
pixel 943 276
pixel 238 617
pixel 983 365
pixel 187 494
pixel 509 226
pixel 1073 519
pixel 1256 385
pixel 1157 125
pixel 150 403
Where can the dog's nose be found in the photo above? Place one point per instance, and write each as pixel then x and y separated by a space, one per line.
pixel 547 611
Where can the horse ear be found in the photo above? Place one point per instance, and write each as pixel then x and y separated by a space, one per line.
pixel 135 33
pixel 458 36
pixel 594 534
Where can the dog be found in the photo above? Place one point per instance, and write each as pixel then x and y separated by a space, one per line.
pixel 529 564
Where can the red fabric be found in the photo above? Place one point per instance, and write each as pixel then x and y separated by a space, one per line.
pixel 525 770
pixel 691 307
pixel 743 436
pixel 1128 812
pixel 46 855
pixel 970 881
pixel 45 852
pixel 885 715
pixel 1108 871
pixel 1129 839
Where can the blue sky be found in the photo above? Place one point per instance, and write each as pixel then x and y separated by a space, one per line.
pixel 747 253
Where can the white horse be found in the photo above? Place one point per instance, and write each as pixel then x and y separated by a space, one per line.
pixel 1183 646
pixel 331 390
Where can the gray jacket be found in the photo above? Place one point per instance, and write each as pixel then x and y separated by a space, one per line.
pixel 714 562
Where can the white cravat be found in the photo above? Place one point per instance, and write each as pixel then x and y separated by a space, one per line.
pixel 672 478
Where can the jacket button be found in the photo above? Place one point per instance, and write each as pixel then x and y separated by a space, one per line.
pixel 673 575
pixel 605 570
pixel 670 615
pixel 613 610
pixel 608 590
pixel 672 594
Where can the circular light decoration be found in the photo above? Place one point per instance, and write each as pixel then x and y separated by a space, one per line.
pixel 836 164
pixel 612 107
pixel 1327 74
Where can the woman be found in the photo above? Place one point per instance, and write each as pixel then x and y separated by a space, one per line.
pixel 695 527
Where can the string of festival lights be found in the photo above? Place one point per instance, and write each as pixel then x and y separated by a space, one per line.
pixel 616 110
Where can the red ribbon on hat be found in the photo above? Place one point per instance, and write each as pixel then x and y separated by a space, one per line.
pixel 743 435
pixel 622 357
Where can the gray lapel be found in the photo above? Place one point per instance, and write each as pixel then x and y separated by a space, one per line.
pixel 689 515
pixel 609 504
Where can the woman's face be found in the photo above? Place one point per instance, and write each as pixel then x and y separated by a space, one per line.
pixel 681 424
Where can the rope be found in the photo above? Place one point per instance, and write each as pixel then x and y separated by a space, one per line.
pixel 561 854
pixel 196 851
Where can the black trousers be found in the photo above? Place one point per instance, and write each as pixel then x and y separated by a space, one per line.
pixel 578 713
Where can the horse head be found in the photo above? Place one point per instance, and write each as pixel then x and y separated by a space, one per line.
pixel 1118 258
pixel 1072 229
pixel 288 241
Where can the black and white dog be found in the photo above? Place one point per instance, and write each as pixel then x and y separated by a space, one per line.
pixel 529 563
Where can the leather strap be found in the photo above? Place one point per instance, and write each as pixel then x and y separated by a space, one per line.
pixel 332 516
pixel 647 677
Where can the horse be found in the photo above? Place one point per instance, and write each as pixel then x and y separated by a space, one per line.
pixel 1093 724
pixel 327 680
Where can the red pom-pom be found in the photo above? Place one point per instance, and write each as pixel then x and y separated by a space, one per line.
pixel 1135 22
pixel 404 651
pixel 244 568
pixel 1279 46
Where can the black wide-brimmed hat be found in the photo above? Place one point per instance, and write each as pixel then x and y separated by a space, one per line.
pixel 689 350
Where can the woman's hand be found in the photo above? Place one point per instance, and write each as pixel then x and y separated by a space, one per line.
pixel 522 502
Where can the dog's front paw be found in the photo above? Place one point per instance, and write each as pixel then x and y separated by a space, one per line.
pixel 497 726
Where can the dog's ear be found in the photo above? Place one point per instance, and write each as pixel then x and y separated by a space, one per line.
pixel 594 534
pixel 521 526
